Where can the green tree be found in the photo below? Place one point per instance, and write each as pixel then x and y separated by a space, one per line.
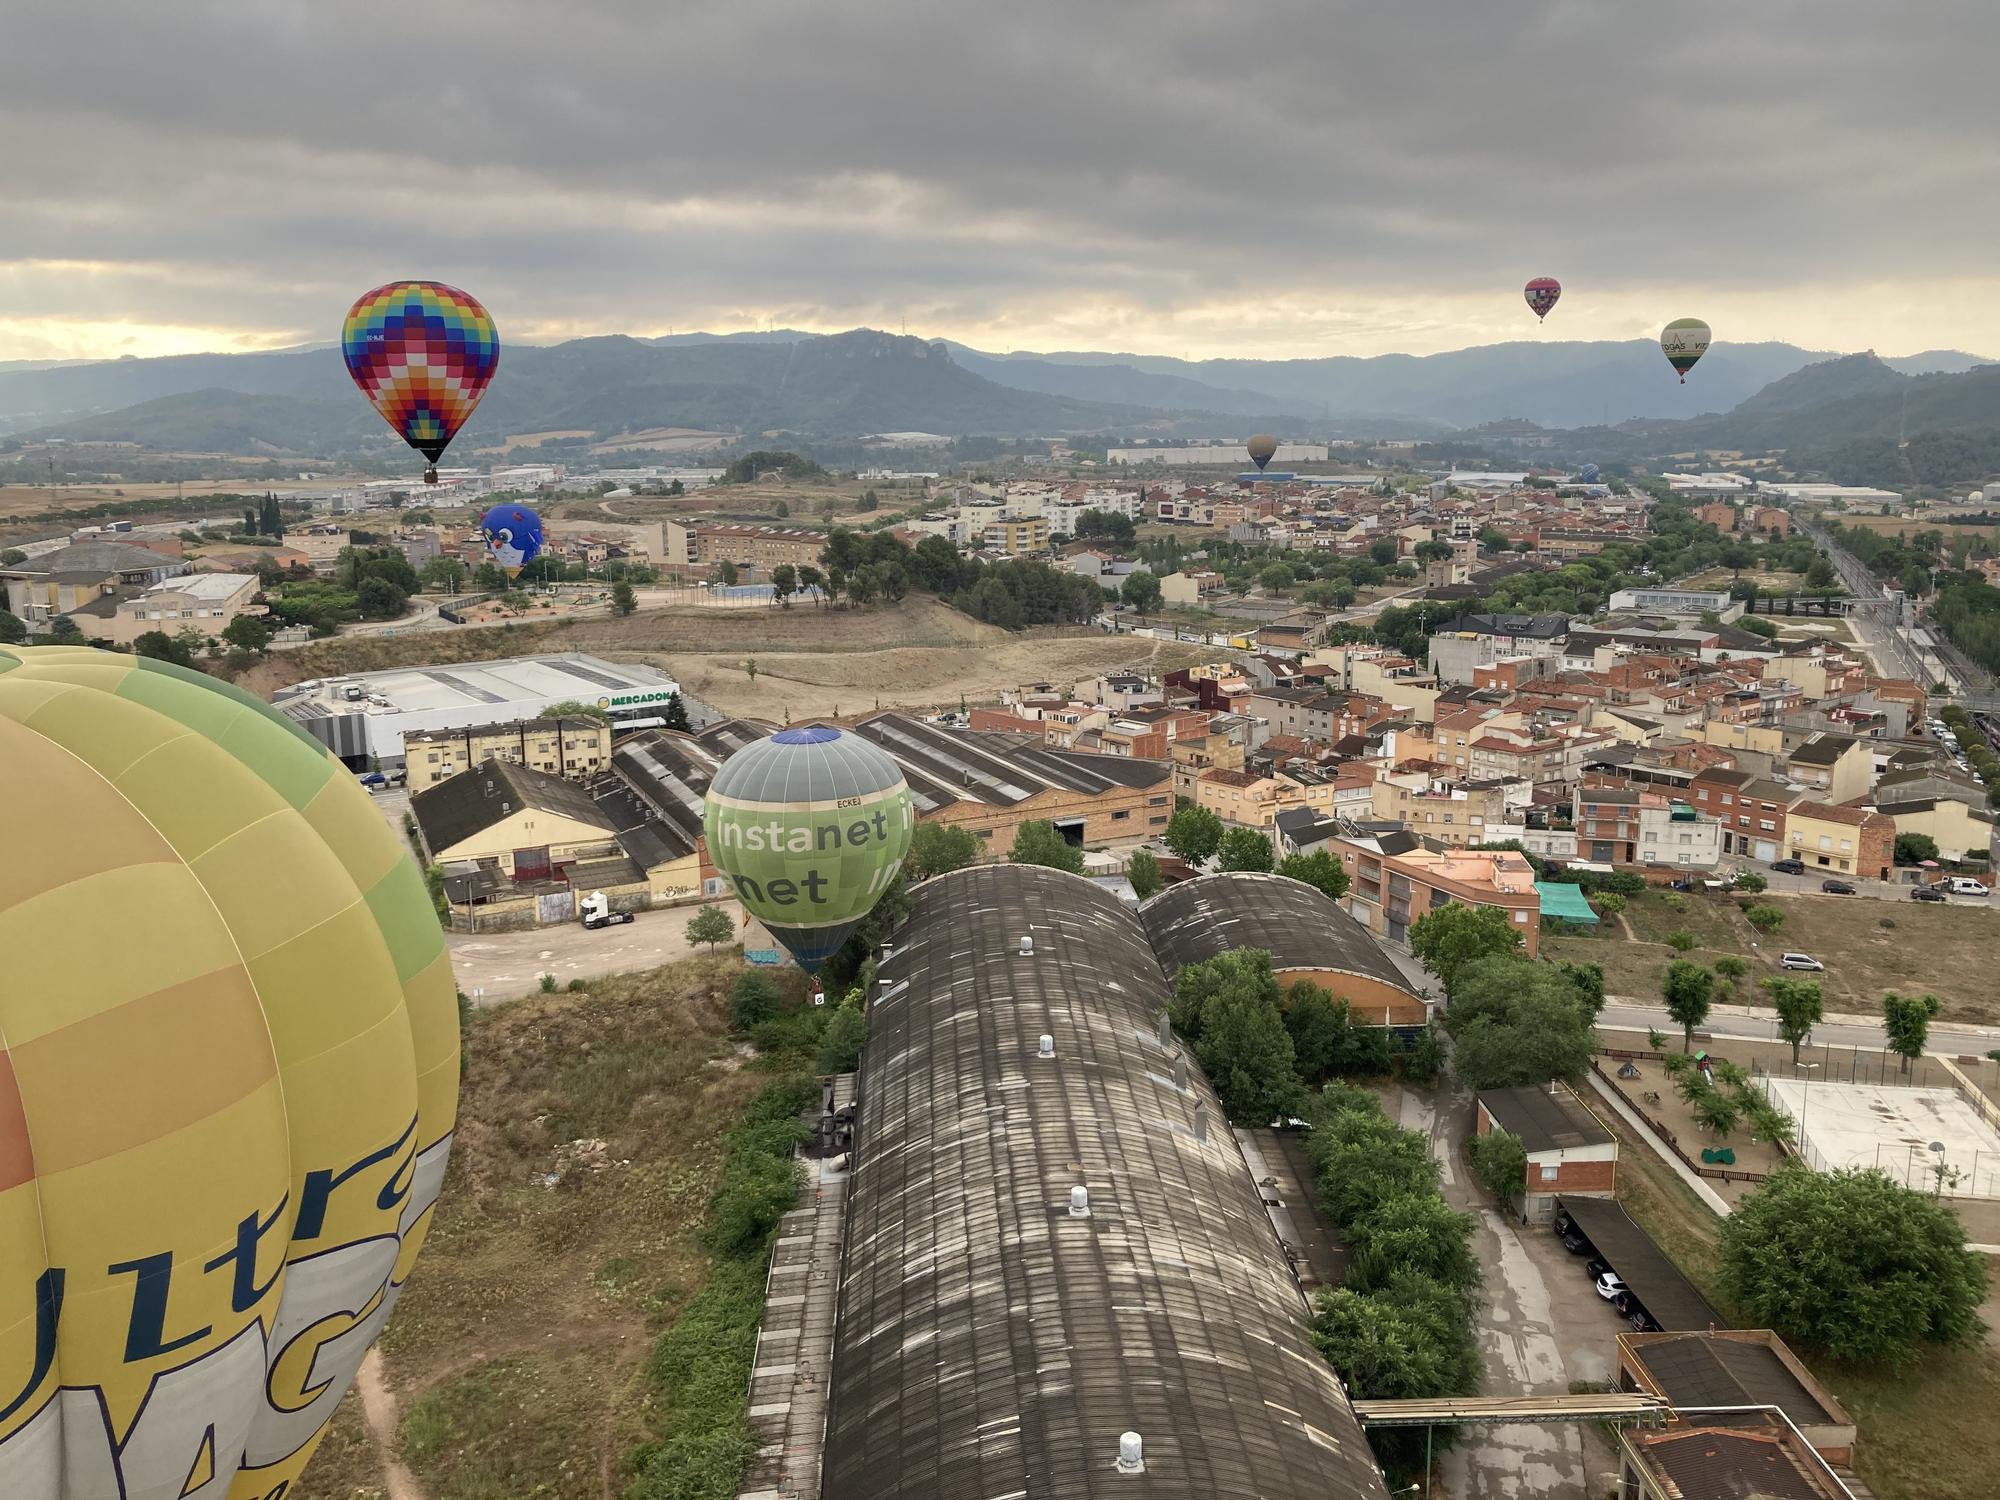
pixel 488 579
pixel 1750 881
pixel 1588 981
pixel 1319 869
pixel 1447 939
pixel 163 647
pixel 841 1043
pixel 750 668
pixel 784 583
pixel 1245 849
pixel 1383 1350
pixel 1800 1006
pixel 1361 1160
pixel 811 580
pixel 1236 969
pixel 12 628
pixel 1383 552
pixel 446 574
pixel 725 572
pixel 676 714
pixel 379 599
pixel 1247 1054
pixel 1038 843
pixel 1731 968
pixel 1852 1264
pixel 1414 1233
pixel 1194 834
pixel 711 927
pixel 575 708
pixel 1764 917
pixel 1915 848
pixel 1680 942
pixel 63 631
pixel 1501 1163
pixel 1819 574
pixel 1516 1022
pixel 1140 591
pixel 248 633
pixel 623 599
pixel 938 849
pixel 1143 870
pixel 754 998
pixel 1276 578
pixel 1716 1112
pixel 1327 1041
pixel 12 557
pixel 1689 990
pixel 1907 1020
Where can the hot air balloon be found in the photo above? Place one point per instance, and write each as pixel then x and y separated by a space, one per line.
pixel 1589 473
pixel 1261 448
pixel 1684 341
pixel 423 353
pixel 809 826
pixel 228 1081
pixel 1542 293
pixel 513 536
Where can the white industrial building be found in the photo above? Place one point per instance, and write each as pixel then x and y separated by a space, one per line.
pixel 363 717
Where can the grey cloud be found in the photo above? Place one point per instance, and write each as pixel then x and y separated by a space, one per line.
pixel 661 164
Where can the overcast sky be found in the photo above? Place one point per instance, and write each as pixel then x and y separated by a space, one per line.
pixel 1258 177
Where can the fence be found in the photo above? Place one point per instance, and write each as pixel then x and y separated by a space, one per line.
pixel 1965 1174
pixel 1666 1136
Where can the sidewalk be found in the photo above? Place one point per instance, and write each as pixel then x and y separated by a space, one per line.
pixel 1639 1127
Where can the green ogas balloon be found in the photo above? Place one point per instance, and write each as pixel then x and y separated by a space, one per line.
pixel 809 827
pixel 1684 341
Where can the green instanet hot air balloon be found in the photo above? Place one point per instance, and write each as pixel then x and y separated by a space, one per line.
pixel 1261 448
pixel 1684 341
pixel 809 826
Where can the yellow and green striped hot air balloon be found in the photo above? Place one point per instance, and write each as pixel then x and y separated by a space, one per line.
pixel 809 826
pixel 228 1081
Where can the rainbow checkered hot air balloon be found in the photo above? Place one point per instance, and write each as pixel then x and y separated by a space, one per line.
pixel 423 353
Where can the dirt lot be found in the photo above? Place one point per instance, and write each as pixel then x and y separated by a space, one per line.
pixel 809 661
pixel 1868 948
pixel 512 1362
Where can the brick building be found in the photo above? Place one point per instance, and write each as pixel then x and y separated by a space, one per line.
pixel 1569 1150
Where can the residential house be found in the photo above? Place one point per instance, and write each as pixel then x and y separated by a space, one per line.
pixel 1851 841
pixel 203 602
pixel 1956 828
pixel 1607 824
pixel 1672 832
pixel 1569 1150
pixel 1837 767
pixel 1394 881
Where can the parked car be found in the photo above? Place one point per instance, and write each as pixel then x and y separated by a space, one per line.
pixel 1642 1321
pixel 1965 885
pixel 1596 1266
pixel 1800 961
pixel 1789 866
pixel 1927 893
pixel 1575 1243
pixel 1836 888
pixel 1609 1287
pixel 373 780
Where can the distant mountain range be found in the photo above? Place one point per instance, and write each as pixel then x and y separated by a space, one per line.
pixel 835 388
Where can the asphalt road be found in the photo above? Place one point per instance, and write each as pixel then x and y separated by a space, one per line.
pixel 1952 1039
pixel 1874 890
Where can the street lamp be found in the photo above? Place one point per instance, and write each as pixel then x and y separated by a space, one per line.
pixel 1937 1149
pixel 1805 1098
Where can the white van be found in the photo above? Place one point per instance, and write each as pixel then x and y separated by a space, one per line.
pixel 1963 885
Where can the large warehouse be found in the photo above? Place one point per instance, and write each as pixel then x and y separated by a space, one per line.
pixel 1050 1248
pixel 362 717
pixel 1309 938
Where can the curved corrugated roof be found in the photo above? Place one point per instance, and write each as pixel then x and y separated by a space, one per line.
pixel 1294 922
pixel 990 1344
pixel 805 765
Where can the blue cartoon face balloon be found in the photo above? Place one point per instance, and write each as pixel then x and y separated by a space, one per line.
pixel 513 537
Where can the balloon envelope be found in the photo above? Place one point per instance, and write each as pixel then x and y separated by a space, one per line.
pixel 513 536
pixel 1684 341
pixel 1542 293
pixel 809 826
pixel 423 353
pixel 228 1078
pixel 1589 473
pixel 1261 448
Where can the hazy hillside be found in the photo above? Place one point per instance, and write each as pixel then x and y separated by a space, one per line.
pixel 302 402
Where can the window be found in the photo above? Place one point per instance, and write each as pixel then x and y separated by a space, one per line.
pixel 1121 815
pixel 1825 842
pixel 1846 845
pixel 1727 800
pixel 1551 1171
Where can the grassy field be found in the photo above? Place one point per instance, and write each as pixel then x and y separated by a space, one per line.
pixel 516 1356
pixel 1925 1434
pixel 1868 947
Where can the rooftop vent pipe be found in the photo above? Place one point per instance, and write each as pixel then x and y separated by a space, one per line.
pixel 1079 1202
pixel 1166 1032
pixel 1201 1119
pixel 1131 1453
pixel 1180 1070
pixel 1047 1047
pixel 1027 945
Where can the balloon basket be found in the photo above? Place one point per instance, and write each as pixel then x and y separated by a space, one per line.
pixel 431 475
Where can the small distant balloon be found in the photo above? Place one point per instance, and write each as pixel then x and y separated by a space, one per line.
pixel 1542 293
pixel 513 536
pixel 1589 473
pixel 423 354
pixel 1262 448
pixel 1684 341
